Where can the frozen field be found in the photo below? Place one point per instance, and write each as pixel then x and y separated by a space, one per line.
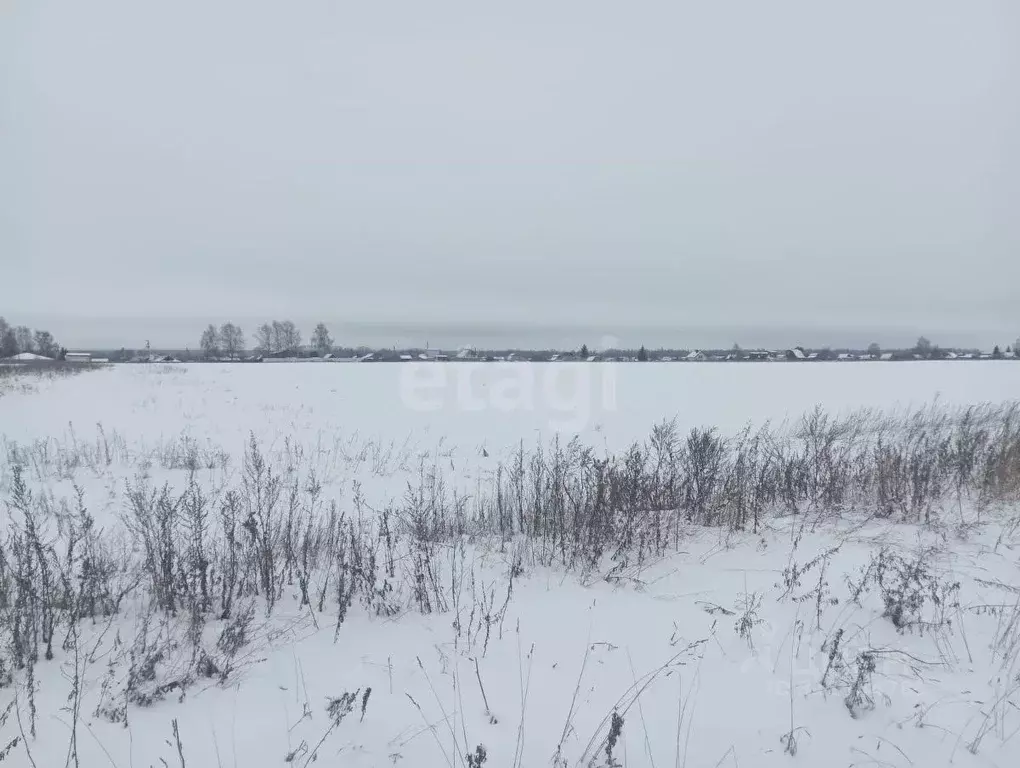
pixel 371 565
pixel 364 423
pixel 470 405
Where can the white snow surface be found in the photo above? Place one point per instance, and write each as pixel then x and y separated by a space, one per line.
pixel 468 405
pixel 728 666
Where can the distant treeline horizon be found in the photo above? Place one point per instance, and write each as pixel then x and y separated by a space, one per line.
pixel 924 349
pixel 284 339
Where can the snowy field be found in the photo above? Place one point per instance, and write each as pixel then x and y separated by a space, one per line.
pixel 483 404
pixel 418 565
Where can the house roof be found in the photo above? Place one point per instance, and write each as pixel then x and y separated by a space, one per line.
pixel 26 357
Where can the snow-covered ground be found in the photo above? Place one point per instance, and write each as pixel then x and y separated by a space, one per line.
pixel 822 639
pixel 471 405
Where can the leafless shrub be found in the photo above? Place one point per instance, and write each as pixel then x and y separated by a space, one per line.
pixel 748 618
pixel 860 698
pixel 262 490
pixel 908 587
pixel 338 708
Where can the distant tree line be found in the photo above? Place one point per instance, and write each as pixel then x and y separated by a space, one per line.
pixel 271 338
pixel 283 338
pixel 15 339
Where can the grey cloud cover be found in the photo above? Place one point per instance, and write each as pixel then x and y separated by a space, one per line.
pixel 685 172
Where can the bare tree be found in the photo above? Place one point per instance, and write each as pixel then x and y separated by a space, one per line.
pixel 264 339
pixel 277 342
pixel 874 349
pixel 277 337
pixel 321 340
pixel 231 340
pixel 8 341
pixel 289 336
pixel 23 334
pixel 210 343
pixel 45 344
pixel 923 347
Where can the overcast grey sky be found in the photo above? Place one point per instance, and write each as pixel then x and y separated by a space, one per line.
pixel 679 172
